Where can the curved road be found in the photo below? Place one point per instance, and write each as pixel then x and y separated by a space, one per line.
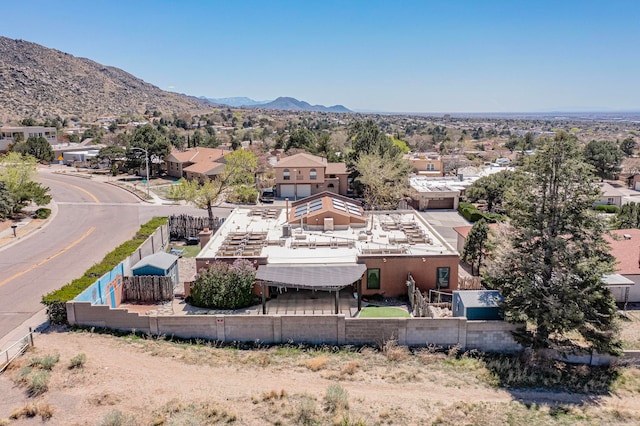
pixel 93 218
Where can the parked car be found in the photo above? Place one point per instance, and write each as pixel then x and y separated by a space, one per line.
pixel 267 195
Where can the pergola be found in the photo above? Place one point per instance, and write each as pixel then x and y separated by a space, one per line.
pixel 323 277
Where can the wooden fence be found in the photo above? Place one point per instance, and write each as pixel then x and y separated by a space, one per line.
pixel 185 226
pixel 418 303
pixel 147 288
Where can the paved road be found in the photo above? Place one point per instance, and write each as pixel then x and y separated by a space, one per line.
pixel 92 218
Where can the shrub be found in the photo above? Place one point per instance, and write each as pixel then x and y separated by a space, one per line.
pixel 316 363
pixel 57 299
pixel 336 398
pixel 42 213
pixel 38 383
pixel 243 194
pixel 49 361
pixel 607 208
pixel 116 418
pixel 77 361
pixel 225 286
pixel 472 214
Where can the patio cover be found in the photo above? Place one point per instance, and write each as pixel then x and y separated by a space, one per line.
pixel 327 277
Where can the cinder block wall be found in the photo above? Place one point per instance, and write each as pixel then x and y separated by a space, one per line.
pixel 488 336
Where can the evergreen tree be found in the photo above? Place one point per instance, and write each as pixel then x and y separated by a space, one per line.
pixel 604 156
pixel 476 245
pixel 6 201
pixel 628 145
pixel 550 267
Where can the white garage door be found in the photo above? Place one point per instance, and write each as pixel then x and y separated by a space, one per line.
pixel 286 191
pixel 304 191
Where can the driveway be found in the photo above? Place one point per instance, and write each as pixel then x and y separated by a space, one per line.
pixel 444 221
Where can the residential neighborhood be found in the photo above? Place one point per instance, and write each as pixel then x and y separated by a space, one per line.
pixel 319 213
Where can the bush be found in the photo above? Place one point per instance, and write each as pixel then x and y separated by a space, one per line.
pixel 42 213
pixel 77 361
pixel 38 383
pixel 225 286
pixel 607 208
pixel 336 398
pixel 57 299
pixel 472 214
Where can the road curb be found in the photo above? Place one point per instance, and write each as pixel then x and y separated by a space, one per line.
pixel 54 212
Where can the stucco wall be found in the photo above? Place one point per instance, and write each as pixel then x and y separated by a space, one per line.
pixel 394 270
pixel 490 336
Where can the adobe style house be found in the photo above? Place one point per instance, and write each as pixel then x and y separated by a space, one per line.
pixel 426 164
pixel 196 163
pixel 326 242
pixel 9 134
pixel 302 175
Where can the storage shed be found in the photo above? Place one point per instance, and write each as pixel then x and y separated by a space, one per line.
pixel 477 304
pixel 161 263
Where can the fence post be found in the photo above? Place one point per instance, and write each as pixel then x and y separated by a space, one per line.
pixel 30 336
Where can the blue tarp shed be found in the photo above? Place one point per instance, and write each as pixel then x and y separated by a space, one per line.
pixel 477 304
pixel 161 263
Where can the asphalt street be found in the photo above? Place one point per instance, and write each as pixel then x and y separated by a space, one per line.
pixel 92 219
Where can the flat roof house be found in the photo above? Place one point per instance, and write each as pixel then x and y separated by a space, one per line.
pixel 8 134
pixel 328 242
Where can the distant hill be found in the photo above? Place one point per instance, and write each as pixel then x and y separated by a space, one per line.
pixel 38 82
pixel 237 101
pixel 291 104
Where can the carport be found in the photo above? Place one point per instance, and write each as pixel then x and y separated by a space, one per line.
pixel 322 277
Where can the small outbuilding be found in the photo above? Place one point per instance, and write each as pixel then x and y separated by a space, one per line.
pixel 160 264
pixel 477 304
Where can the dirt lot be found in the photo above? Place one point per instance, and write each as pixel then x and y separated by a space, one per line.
pixel 132 380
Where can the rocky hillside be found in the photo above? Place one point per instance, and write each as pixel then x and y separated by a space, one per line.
pixel 38 82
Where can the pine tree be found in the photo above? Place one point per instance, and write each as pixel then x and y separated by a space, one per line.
pixel 476 245
pixel 550 267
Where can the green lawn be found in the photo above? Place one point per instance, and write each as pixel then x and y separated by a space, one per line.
pixel 383 312
pixel 189 251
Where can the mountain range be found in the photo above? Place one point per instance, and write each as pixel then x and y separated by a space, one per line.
pixel 281 103
pixel 39 82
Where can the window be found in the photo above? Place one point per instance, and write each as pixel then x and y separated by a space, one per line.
pixel 373 279
pixel 313 174
pixel 611 201
pixel 286 175
pixel 431 167
pixel 442 279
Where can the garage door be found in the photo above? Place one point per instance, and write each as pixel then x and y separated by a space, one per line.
pixel 443 203
pixel 286 191
pixel 304 191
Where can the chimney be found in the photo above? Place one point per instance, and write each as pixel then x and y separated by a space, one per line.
pixel 205 236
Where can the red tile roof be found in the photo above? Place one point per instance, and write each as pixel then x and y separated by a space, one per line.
pixel 626 250
pixel 196 155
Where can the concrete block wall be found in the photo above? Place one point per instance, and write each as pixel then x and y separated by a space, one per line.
pixel 374 331
pixel 245 328
pixel 488 336
pixel 491 336
pixel 321 329
pixel 202 326
pixel 439 332
pixel 84 313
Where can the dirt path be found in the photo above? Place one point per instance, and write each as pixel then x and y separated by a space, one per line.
pixel 142 378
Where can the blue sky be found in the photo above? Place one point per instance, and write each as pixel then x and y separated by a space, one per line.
pixel 401 56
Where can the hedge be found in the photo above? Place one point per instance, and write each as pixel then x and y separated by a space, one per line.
pixel 472 214
pixel 607 208
pixel 57 299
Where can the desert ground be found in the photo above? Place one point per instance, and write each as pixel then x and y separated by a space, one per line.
pixel 102 379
